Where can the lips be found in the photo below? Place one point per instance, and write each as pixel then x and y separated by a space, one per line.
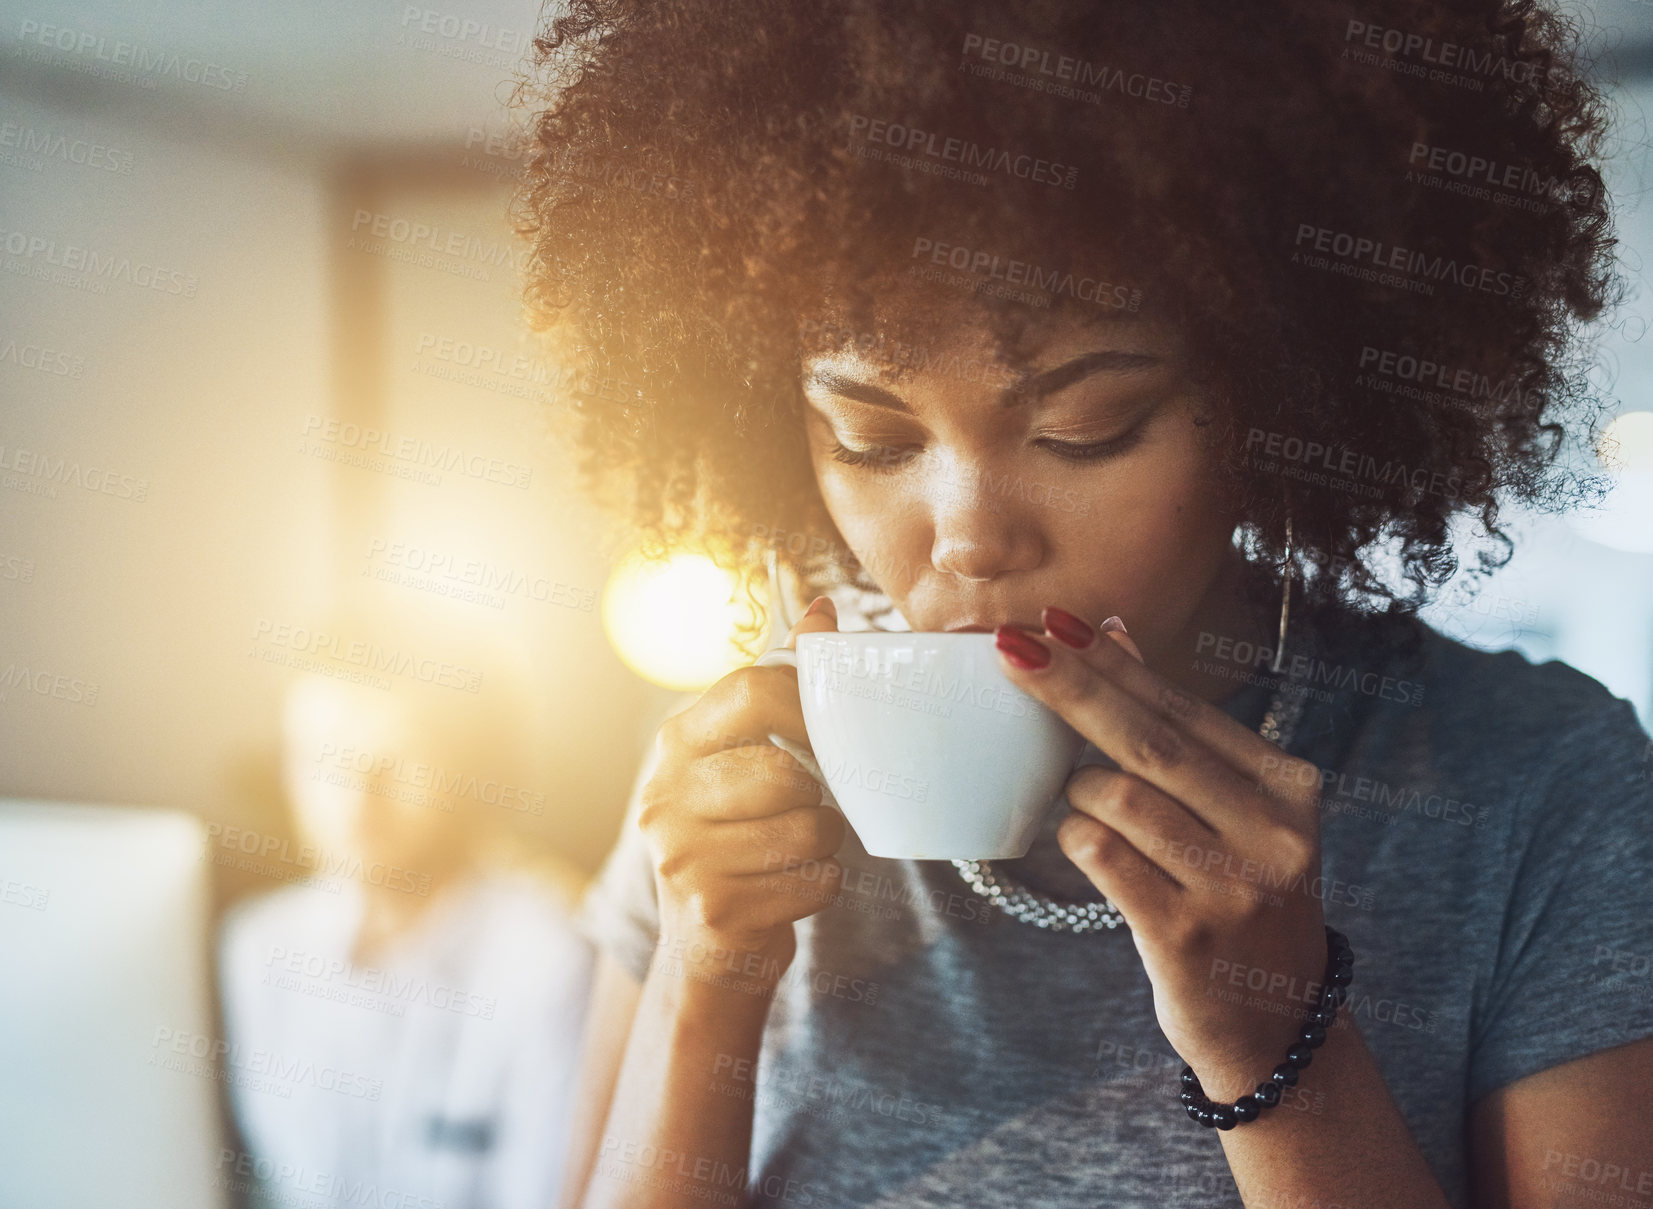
pixel 976 628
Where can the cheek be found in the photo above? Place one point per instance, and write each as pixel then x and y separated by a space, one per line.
pixel 883 528
pixel 1160 528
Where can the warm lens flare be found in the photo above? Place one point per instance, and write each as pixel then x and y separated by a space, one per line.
pixel 673 622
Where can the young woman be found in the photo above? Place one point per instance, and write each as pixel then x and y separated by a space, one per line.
pixel 1172 343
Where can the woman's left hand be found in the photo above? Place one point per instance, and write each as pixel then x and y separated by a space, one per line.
pixel 1207 839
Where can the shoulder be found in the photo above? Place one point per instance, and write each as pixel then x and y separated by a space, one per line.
pixel 288 928
pixel 1501 703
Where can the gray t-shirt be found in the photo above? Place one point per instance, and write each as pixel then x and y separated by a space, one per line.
pixel 1487 832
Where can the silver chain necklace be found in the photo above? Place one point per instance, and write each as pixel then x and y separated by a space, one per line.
pixel 1062 915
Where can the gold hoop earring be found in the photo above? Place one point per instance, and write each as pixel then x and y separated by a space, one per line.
pixel 1285 601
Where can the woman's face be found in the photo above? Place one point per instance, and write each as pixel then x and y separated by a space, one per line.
pixel 970 506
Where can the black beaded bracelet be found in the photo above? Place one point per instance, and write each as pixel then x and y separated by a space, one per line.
pixel 1340 965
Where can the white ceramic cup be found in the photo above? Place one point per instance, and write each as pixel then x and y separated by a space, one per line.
pixel 924 744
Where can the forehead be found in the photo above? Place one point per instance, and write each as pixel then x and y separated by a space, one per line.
pixel 906 334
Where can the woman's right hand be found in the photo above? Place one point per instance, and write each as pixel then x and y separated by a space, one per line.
pixel 742 845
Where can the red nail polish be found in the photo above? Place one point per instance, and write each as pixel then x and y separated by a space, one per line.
pixel 1070 629
pixel 1021 648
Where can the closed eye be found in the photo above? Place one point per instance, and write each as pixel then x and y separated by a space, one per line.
pixel 1094 451
pixel 885 458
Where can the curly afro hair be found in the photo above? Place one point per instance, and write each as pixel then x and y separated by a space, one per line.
pixel 1380 229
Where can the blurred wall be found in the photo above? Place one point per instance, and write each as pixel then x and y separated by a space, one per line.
pixel 210 297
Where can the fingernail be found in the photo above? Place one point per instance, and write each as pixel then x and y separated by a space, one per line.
pixel 1021 648
pixel 1113 623
pixel 1070 629
pixel 822 604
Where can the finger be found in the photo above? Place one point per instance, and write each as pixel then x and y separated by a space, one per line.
pixel 1158 826
pixel 1174 839
pixel 1139 888
pixel 751 781
pixel 1153 745
pixel 821 617
pixel 1110 652
pixel 779 844
pixel 792 893
pixel 750 703
pixel 1115 629
pixel 736 847
pixel 742 708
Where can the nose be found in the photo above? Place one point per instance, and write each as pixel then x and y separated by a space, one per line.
pixel 978 534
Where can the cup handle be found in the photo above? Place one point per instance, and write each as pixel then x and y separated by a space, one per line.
pixel 784 657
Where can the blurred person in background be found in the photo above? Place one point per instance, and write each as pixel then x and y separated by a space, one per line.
pixel 424 990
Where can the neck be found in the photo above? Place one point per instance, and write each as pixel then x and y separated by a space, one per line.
pixel 388 913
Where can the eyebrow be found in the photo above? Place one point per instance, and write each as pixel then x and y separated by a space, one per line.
pixel 1111 361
